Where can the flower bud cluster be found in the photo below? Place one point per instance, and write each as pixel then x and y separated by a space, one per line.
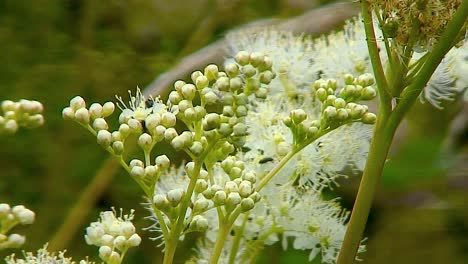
pixel 24 113
pixel 338 107
pixel 114 235
pixel 239 190
pixel 9 218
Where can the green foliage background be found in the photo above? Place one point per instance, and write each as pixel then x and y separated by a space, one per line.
pixel 53 50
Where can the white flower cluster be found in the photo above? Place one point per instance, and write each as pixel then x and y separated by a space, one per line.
pixel 24 113
pixel 114 235
pixel 43 256
pixel 9 218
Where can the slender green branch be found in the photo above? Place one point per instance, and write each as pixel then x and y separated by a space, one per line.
pixel 237 240
pixel 382 85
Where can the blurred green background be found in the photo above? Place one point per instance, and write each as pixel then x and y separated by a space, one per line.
pixel 53 50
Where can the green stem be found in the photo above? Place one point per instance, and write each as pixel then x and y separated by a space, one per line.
pixel 223 232
pixel 237 240
pixel 383 134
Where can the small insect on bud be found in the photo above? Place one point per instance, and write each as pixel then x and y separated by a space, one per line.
pixel 242 57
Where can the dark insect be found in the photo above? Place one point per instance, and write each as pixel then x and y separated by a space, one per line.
pixel 149 102
pixel 265 160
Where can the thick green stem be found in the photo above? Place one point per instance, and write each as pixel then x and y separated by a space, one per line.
pixel 237 240
pixel 375 163
pixel 223 232
pixel 385 129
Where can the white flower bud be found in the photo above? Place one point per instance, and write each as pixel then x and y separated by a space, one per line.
pixel 100 124
pixel 233 199
pixel 230 186
pixel 339 103
pixel 163 162
pixel 219 197
pixel 178 143
pixel 124 130
pixel 9 105
pixel 120 242
pixel 127 228
pixel 68 113
pixel 114 258
pixel 95 110
pixel 239 129
pixel 184 105
pixel 242 57
pixel 134 240
pixel 104 138
pixel 4 210
pixel 283 148
pixel 235 83
pixel 330 112
pixel 11 126
pixel 255 196
pixel 357 111
pixel 201 185
pixel 151 171
pixel 158 133
pixel 196 148
pixel 241 110
pixel 223 84
pixel 145 141
pixel 82 115
pixel 266 77
pixel 160 201
pixel 178 85
pixel 210 98
pixel 24 215
pixel 245 188
pixel 256 58
pixel 152 121
pixel 212 121
pixel 107 240
pixel 249 176
pixel 369 118
pixel 199 223
pixel 232 69
pixel 105 252
pixel 195 75
pixel 16 241
pixel 77 102
pixel 170 134
pixel 188 91
pixel 341 114
pixel 365 79
pixel 201 205
pixel 175 196
pixel 135 125
pixel 211 72
pixel 247 204
pixel 201 82
pixel 36 120
pixel 168 119
pixel 321 94
pixel 235 172
pixel 136 162
pixel 107 109
pixel 312 131
pixel 175 97
pixel 137 172
pixel 298 115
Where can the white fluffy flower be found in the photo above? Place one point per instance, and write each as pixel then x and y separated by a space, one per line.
pixel 43 257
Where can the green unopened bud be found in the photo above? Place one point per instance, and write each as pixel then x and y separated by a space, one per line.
pixel 298 115
pixel 170 134
pixel 369 118
pixel 199 223
pixel 256 58
pixel 211 72
pixel 151 171
pixel 232 70
pixel 233 199
pixel 339 103
pixel 175 97
pixel 245 188
pixel 201 82
pixel 242 57
pixel 235 84
pixel 357 111
pixel 261 93
pixel 196 148
pixel 188 91
pixel 266 77
pixel 219 197
pixel 210 98
pixel 195 75
pixel 341 114
pixel 249 71
pixel 201 185
pixel 118 147
pixel 178 85
pixel 135 126
pixel 107 109
pixel 312 131
pixel 241 111
pixel 247 204
pixel 368 93
pixel 321 94
pixel 211 121
pixel 230 186
pixel 161 202
pixel 348 78
pixel 240 129
pixel 250 176
pixel 365 79
pixel 235 172
pixel 168 119
pixel 201 205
